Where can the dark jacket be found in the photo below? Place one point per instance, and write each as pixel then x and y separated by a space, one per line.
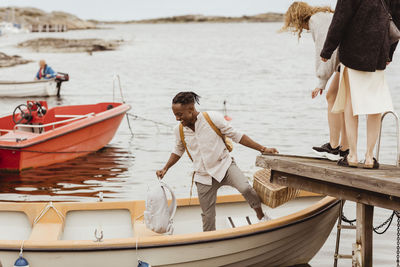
pixel 360 29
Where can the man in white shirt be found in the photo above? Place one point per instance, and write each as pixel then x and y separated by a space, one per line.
pixel 212 163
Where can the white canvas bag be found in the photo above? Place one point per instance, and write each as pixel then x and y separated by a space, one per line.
pixel 158 216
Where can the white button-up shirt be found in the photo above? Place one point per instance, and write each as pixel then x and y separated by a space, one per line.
pixel 210 156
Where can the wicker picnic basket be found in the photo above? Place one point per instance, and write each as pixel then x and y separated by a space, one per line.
pixel 272 195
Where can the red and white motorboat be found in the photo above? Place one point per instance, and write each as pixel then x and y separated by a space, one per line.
pixel 36 136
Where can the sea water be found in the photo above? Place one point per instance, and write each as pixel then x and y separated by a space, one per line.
pixel 264 76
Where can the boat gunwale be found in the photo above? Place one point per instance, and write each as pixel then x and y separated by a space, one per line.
pixel 26 82
pixel 75 125
pixel 161 241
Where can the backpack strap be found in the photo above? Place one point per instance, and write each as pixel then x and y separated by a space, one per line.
pixel 173 205
pixel 208 119
pixel 182 135
pixel 218 131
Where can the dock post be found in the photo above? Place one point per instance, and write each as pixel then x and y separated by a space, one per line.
pixel 365 214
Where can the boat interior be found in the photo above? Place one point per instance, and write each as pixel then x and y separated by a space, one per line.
pixel 33 118
pixel 108 222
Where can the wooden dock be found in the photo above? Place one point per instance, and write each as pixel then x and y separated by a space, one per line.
pixel 367 187
pixel 48 28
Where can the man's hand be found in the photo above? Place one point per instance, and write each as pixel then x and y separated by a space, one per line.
pixel 265 150
pixel 316 91
pixel 324 59
pixel 160 173
pixel 387 63
pixel 171 161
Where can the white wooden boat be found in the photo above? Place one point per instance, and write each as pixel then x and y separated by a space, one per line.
pixel 63 234
pixel 49 87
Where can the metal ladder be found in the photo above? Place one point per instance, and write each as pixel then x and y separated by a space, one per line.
pixel 398 137
pixel 339 223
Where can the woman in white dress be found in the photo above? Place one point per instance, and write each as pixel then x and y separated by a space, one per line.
pixel 301 16
pixel 360 29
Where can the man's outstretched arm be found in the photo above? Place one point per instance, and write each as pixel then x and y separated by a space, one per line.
pixel 247 141
pixel 171 162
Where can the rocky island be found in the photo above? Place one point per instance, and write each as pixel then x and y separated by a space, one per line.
pixel 264 17
pixel 9 61
pixel 29 16
pixel 70 45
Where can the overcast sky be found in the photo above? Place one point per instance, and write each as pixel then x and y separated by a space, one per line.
pixel 142 9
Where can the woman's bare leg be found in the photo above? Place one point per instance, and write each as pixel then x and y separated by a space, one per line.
pixel 351 122
pixel 373 126
pixel 344 144
pixel 334 119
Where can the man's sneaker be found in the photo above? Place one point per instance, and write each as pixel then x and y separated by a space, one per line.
pixel 344 153
pixel 327 151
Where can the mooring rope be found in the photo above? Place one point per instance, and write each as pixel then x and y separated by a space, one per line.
pixel 45 210
pixel 134 116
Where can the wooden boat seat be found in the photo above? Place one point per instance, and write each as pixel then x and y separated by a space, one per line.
pixel 46 232
pixel 140 230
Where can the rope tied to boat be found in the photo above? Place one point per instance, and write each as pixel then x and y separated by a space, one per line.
pixel 139 261
pixel 21 250
pixel 157 123
pixel 45 210
pixel 21 261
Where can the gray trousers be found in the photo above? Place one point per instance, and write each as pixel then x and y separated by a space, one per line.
pixel 208 194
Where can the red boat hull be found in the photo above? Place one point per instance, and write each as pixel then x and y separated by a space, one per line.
pixel 67 141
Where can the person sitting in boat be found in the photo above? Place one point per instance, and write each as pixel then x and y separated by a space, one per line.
pixel 213 165
pixel 45 71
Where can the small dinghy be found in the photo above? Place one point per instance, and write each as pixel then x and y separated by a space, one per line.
pixel 104 234
pixel 50 87
pixel 35 135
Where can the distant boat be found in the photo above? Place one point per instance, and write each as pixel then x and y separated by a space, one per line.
pixel 11 28
pixel 104 234
pixel 50 87
pixel 36 136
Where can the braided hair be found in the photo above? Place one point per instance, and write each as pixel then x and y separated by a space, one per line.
pixel 185 98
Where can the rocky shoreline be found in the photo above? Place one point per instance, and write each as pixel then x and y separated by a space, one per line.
pixel 70 45
pixel 265 17
pixel 29 16
pixel 9 61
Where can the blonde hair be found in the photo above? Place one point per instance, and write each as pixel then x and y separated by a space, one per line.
pixel 299 14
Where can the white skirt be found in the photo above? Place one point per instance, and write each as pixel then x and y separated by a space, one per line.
pixel 369 92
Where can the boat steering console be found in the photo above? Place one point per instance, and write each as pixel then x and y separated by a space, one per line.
pixel 33 112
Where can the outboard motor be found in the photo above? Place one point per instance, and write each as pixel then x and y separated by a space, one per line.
pixel 60 78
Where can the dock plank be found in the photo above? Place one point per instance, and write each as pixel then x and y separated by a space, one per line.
pixel 372 187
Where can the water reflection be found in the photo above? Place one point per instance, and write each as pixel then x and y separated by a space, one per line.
pixel 74 180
